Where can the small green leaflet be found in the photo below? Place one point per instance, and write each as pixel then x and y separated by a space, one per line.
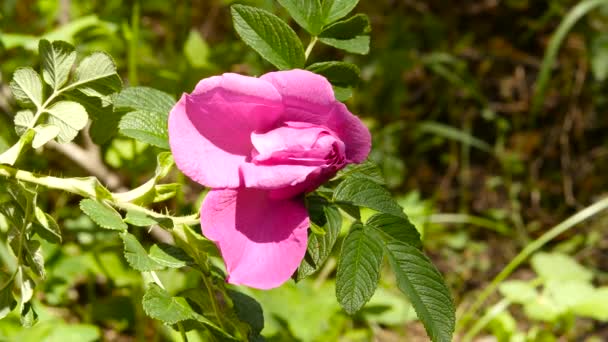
pixel 358 269
pixel 23 120
pixel 148 127
pixel 34 258
pixel 96 75
pixel 70 117
pixel 337 9
pixel 149 112
pixel 367 169
pixel 27 87
pixel 269 36
pixel 337 73
pixel 307 14
pixel 136 255
pixel 47 229
pixel 159 304
pixel 351 34
pixel 169 256
pixel 102 214
pixel 364 192
pixel 44 134
pixel 57 60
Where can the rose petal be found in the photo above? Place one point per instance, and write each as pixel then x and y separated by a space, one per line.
pixel 209 130
pixel 349 128
pixel 262 240
pixel 309 97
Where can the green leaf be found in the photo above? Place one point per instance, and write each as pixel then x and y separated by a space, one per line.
pixel 136 255
pixel 368 170
pixel 29 316
pixel 27 87
pixel 351 35
pixel 398 228
pixel 24 119
pixel 196 50
pixel 104 119
pixel 44 134
pixel 34 258
pixel 139 219
pixel 248 310
pixel 350 28
pixel 170 256
pixel 96 75
pixel 518 291
pixel 269 36
pixel 358 44
pixel 195 245
pixel 144 99
pixel 366 193
pixel 337 73
pixel 57 59
pixel 319 247
pixel 307 14
pixel 159 304
pixel 7 302
pixel 337 9
pixel 48 228
pixel 213 308
pixel 342 93
pixel 147 121
pixel 560 267
pixel 26 284
pixel 420 281
pixel 599 56
pixel 358 269
pixel 70 117
pixel 147 127
pixel 102 214
pixel 594 306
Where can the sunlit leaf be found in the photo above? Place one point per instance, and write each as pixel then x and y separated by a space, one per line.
pixel 102 214
pixel 27 87
pixel 70 117
pixel 57 60
pixel 269 36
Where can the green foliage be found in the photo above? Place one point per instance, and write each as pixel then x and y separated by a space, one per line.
pixel 366 193
pixel 57 59
pixel 102 214
pixel 307 14
pixel 269 36
pixel 325 222
pixel 358 270
pixel 147 119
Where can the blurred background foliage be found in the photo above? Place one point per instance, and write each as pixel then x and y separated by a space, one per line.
pixel 447 90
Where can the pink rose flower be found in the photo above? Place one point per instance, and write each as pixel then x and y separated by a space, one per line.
pixel 260 144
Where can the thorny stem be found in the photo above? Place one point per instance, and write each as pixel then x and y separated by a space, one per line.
pixel 89 188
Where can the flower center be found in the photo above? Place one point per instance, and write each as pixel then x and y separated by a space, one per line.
pixel 298 143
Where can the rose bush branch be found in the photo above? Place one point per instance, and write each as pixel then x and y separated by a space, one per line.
pixel 89 187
